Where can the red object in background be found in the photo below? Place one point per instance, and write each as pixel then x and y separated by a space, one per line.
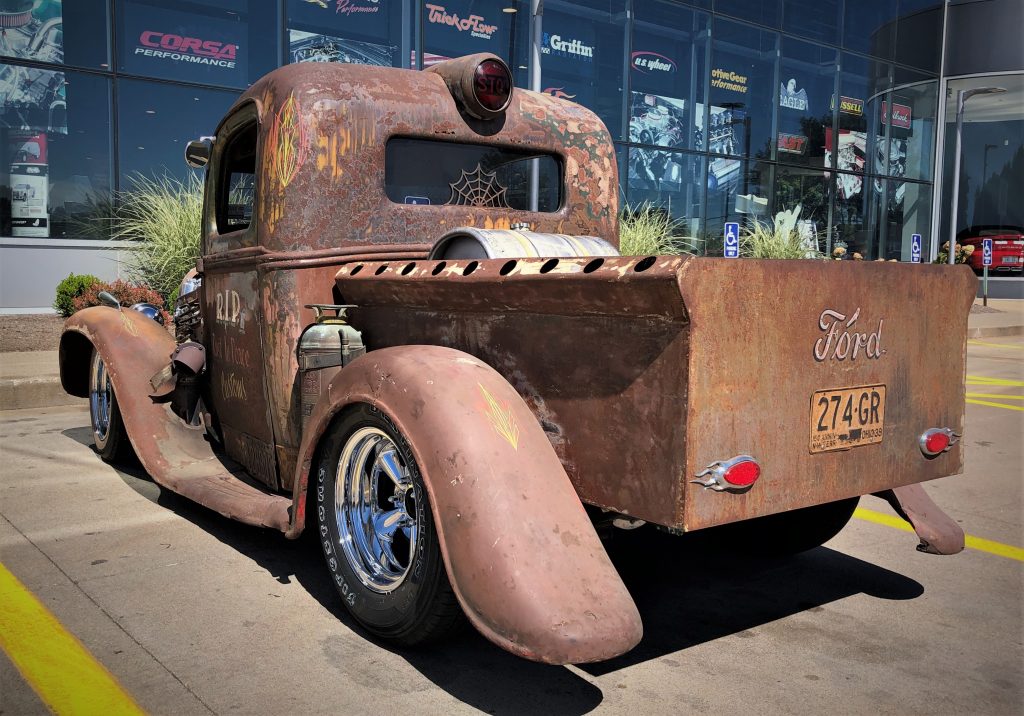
pixel 28 148
pixel 1007 251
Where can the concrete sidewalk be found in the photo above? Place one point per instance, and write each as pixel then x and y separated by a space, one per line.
pixel 32 379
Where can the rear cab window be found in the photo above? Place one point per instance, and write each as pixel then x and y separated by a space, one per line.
pixel 423 171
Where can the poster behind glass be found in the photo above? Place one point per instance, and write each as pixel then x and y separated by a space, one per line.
pixel 183 44
pixel 453 28
pixel 361 32
pixel 32 30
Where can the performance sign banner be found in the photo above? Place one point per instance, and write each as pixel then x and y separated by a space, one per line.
pixel 166 43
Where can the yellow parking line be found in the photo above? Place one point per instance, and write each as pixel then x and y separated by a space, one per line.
pixel 982 545
pixel 1004 406
pixel 995 395
pixel 995 345
pixel 55 663
pixel 982 380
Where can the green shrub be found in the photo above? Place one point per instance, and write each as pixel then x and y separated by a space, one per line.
pixel 164 217
pixel 71 288
pixel 649 230
pixel 127 293
pixel 778 240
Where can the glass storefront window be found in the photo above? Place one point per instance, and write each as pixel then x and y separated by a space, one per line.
pixel 763 12
pixel 813 19
pixel 857 215
pixel 869 27
pixel 808 189
pixel 743 195
pixel 156 121
pixel 908 211
pixel 860 136
pixel 453 28
pixel 582 50
pixel 362 32
pixel 806 86
pixel 73 33
pixel 674 181
pixel 991 158
pixel 911 120
pixel 667 75
pixel 918 34
pixel 55 150
pixel 228 43
pixel 742 91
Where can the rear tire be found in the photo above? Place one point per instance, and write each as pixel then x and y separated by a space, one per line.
pixel 789 533
pixel 108 432
pixel 377 531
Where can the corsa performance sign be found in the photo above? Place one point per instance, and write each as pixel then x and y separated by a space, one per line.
pixel 187 49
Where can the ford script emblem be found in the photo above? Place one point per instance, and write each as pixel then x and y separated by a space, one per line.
pixel 841 341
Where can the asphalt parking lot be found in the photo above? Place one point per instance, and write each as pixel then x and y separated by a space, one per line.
pixel 191 613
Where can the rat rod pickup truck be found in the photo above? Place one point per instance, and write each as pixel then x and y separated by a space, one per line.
pixel 410 330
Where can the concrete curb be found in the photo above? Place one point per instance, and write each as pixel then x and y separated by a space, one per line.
pixel 995 331
pixel 43 392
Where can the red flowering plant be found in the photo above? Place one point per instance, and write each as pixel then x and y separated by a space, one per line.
pixel 126 292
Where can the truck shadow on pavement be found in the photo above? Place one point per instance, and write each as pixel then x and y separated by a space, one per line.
pixel 688 591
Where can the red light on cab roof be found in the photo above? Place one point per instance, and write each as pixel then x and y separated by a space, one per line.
pixel 492 85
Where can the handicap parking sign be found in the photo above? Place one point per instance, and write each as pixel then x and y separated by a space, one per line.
pixel 732 240
pixel 915 248
pixel 986 252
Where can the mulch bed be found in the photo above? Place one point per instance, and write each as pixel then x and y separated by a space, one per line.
pixel 29 332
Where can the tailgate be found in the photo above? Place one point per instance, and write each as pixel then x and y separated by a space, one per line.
pixel 792 362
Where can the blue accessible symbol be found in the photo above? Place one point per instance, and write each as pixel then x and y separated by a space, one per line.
pixel 915 248
pixel 732 240
pixel 986 252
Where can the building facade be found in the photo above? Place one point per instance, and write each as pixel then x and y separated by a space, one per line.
pixel 721 110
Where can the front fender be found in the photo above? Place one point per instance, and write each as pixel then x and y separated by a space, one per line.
pixel 522 556
pixel 176 455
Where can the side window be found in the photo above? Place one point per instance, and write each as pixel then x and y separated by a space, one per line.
pixel 236 190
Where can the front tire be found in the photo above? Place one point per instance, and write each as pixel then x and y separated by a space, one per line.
pixel 108 432
pixel 377 531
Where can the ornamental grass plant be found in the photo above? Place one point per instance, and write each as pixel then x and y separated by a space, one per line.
pixel 780 239
pixel 164 217
pixel 650 230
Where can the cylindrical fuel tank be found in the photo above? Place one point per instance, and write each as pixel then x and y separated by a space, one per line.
pixel 468 242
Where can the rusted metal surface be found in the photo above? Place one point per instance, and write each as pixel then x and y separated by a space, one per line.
pixel 643 378
pixel 323 133
pixel 939 533
pixel 522 555
pixel 175 455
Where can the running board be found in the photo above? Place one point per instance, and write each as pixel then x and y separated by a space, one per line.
pixel 228 495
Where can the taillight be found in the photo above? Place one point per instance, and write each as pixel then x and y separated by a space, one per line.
pixel 492 85
pixel 936 441
pixel 736 474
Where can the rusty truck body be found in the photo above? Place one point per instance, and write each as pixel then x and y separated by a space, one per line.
pixel 410 330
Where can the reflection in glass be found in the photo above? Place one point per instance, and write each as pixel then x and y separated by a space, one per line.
pixel 856 217
pixel 805 101
pixel 581 56
pixel 813 19
pixel 992 158
pixel 869 27
pixel 743 195
pixel 742 91
pixel 855 145
pixel 55 151
pixel 911 122
pixel 362 32
pixel 667 72
pixel 672 180
pixel 808 189
pixel 157 120
pixel 908 211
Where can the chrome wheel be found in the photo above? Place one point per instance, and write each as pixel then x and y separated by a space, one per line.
pixel 100 397
pixel 375 510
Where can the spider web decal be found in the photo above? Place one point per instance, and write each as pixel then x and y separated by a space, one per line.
pixel 478 188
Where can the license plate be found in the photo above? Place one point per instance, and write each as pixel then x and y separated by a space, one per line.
pixel 846 418
pixel 1010 260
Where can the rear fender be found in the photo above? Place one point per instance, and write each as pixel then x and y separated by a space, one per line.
pixel 522 556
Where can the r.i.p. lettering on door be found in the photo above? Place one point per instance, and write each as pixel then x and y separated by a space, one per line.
pixel 229 306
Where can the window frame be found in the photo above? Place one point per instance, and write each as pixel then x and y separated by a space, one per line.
pixel 241 119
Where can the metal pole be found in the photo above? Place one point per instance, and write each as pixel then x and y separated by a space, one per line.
pixel 536 17
pixel 956 176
